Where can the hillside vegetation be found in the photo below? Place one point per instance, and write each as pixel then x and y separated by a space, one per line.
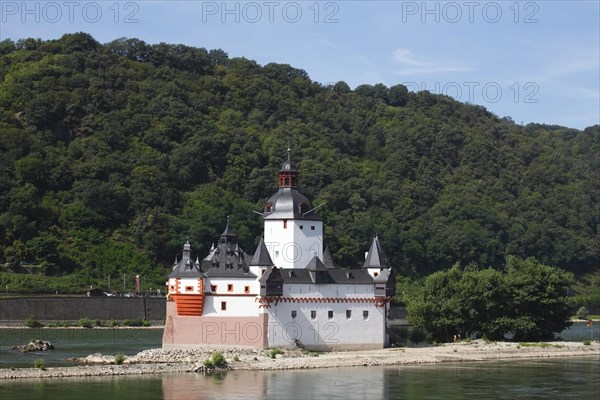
pixel 112 155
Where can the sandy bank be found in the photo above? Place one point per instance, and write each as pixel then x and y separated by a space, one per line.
pixel 156 361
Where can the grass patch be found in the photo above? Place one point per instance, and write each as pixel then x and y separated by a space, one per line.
pixel 86 323
pixel 217 359
pixel 119 358
pixel 542 345
pixel 274 351
pixel 33 323
pixel 39 364
pixel 136 322
pixel 310 353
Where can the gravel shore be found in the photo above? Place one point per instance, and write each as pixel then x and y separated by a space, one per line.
pixel 158 361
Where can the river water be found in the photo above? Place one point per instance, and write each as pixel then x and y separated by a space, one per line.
pixel 546 379
pixel 577 378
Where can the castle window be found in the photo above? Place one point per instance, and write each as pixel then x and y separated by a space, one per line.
pixel 303 208
pixel 375 274
pixel 268 207
pixel 365 315
pixel 223 306
pixel 348 314
pixel 246 289
pixel 230 287
pixel 313 314
pixel 294 313
pixel 330 314
pixel 189 288
pixel 301 226
pixel 172 288
pixel 312 227
pixel 213 288
pixel 285 224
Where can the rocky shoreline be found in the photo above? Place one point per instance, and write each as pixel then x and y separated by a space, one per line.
pixel 160 361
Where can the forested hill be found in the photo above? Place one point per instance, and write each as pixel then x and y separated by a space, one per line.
pixel 111 155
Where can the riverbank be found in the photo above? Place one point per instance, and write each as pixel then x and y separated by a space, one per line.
pixel 159 361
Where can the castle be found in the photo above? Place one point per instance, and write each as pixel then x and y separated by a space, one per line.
pixel 288 294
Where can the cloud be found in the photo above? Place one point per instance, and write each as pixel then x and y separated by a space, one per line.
pixel 413 65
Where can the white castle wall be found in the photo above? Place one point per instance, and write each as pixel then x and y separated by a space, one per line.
pixel 293 246
pixel 321 331
pixel 238 302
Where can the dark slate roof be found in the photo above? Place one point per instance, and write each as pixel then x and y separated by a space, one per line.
pixel 271 275
pixel 186 268
pixel 327 259
pixel 285 204
pixel 383 276
pixel 261 255
pixel 227 260
pixel 337 276
pixel 376 257
pixel 316 265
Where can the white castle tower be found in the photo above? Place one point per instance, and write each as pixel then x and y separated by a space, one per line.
pixel 293 230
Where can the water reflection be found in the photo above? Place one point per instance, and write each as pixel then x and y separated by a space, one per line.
pixel 508 380
pixel 230 385
pixel 557 378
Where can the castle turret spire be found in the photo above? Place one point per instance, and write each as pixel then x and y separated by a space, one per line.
pixel 288 174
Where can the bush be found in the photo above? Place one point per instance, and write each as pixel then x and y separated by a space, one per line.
pixel 86 323
pixel 39 364
pixel 119 358
pixel 236 358
pixel 417 335
pixel 136 322
pixel 218 359
pixel 32 323
pixel 587 342
pixel 274 351
pixel 208 363
pixel 99 322
pixel 582 313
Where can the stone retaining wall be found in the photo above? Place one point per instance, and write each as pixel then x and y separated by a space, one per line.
pixel 58 308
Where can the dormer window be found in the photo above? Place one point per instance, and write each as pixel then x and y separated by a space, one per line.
pixel 303 208
pixel 268 207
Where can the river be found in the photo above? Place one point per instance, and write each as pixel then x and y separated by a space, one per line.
pixel 540 379
pixel 577 378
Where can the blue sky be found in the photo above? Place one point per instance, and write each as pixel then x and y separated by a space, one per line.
pixel 535 61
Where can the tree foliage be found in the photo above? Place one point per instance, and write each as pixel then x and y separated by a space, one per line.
pixel 527 299
pixel 136 147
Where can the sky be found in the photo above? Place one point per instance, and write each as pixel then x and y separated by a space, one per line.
pixel 532 61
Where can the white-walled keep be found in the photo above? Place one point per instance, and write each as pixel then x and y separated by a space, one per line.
pixel 293 243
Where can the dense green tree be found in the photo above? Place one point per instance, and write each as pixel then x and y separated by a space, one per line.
pixel 528 300
pixel 148 144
